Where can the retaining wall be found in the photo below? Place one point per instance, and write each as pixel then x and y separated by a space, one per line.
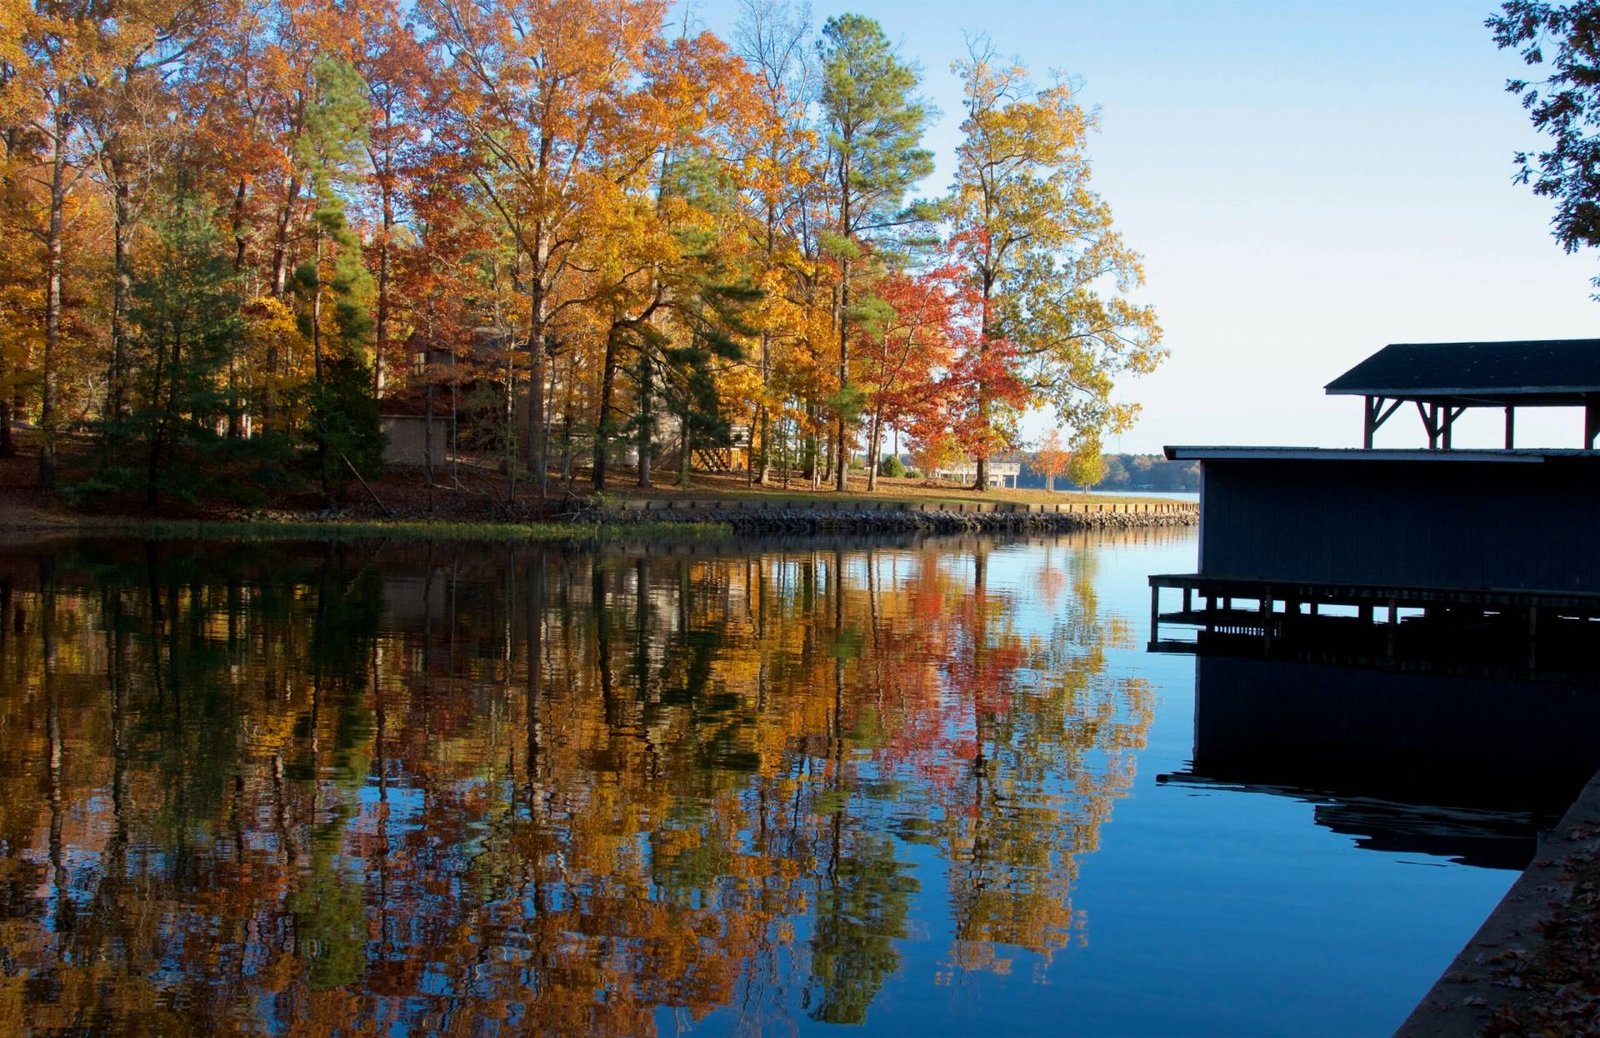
pixel 758 516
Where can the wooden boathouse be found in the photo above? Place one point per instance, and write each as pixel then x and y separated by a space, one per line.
pixel 1496 545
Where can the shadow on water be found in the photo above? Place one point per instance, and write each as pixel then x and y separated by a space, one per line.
pixel 1468 768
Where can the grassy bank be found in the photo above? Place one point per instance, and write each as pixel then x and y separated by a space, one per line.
pixel 736 487
pixel 408 530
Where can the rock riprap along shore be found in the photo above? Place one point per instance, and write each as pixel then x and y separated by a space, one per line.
pixel 755 516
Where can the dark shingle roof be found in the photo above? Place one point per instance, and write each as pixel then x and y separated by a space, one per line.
pixel 1491 369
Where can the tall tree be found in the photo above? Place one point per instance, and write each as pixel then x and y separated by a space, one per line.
pixel 131 135
pixel 873 121
pixel 772 37
pixel 529 87
pixel 904 342
pixel 186 314
pixel 394 66
pixel 55 43
pixel 1050 272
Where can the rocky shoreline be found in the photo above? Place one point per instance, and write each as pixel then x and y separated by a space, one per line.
pixel 800 520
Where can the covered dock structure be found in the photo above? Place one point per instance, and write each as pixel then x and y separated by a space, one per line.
pixel 1493 547
pixel 1444 379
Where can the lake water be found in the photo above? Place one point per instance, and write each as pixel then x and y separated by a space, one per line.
pixel 713 789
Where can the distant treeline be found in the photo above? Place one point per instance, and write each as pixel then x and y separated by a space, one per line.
pixel 1128 472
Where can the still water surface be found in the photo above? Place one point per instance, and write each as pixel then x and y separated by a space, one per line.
pixel 466 789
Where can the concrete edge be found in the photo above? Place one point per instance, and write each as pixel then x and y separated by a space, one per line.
pixel 1466 996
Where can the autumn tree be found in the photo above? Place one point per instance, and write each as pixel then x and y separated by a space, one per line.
pixel 904 343
pixel 772 37
pixel 530 89
pixel 1051 459
pixel 1087 465
pixel 394 68
pixel 1050 272
pixel 46 99
pixel 872 120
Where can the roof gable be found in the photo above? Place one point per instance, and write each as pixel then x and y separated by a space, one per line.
pixel 1539 367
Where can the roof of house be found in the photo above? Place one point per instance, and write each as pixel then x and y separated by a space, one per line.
pixel 1550 368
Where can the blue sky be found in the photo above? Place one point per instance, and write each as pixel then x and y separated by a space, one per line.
pixel 1306 181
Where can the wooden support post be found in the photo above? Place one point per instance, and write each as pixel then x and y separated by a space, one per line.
pixel 1266 618
pixel 1591 420
pixel 1155 614
pixel 1430 422
pixel 1188 599
pixel 1511 427
pixel 1376 415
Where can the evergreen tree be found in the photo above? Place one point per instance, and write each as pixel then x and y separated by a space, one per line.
pixel 186 315
pixel 873 120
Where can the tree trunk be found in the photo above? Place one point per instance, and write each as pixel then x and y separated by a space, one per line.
pixel 324 460
pixel 764 425
pixel 982 481
pixel 538 305
pixel 686 447
pixel 566 425
pixel 380 348
pixel 280 286
pixel 238 227
pixel 52 301
pixel 842 451
pixel 427 434
pixel 602 425
pixel 873 446
pixel 647 423
pixel 121 284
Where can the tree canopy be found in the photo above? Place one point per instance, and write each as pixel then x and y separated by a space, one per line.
pixel 590 235
pixel 1562 40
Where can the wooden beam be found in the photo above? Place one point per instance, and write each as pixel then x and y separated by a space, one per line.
pixel 1376 415
pixel 1450 414
pixel 1430 422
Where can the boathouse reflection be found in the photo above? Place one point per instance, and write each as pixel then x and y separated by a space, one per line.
pixel 1404 760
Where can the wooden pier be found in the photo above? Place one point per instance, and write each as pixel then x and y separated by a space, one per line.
pixel 1504 632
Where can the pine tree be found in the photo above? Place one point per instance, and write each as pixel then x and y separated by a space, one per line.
pixel 874 122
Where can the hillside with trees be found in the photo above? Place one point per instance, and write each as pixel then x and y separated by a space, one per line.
pixel 572 235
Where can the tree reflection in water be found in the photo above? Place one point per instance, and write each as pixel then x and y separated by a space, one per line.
pixel 359 787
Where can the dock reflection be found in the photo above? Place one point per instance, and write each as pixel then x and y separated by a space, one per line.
pixel 1468 768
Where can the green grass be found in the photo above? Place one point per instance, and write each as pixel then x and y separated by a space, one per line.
pixel 310 530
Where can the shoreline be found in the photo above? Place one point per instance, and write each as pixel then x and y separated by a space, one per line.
pixel 667 518
pixel 835 517
pixel 1497 983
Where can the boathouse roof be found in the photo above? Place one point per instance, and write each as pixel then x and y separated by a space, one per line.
pixel 1554 370
pixel 1355 454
